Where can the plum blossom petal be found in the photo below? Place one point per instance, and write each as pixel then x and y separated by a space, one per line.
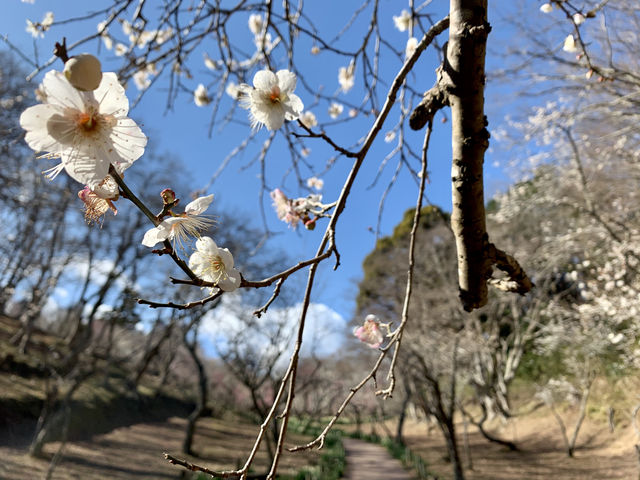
pixel 546 8
pixel 256 23
pixel 346 77
pixel 569 44
pixel 403 21
pixel 315 182
pixel 410 49
pixel 335 109
pixel 201 96
pixel 156 235
pixel 199 205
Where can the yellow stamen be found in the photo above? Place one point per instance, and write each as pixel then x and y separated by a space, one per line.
pixel 274 96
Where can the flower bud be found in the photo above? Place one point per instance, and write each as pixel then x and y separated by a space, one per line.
pixel 310 224
pixel 168 196
pixel 83 72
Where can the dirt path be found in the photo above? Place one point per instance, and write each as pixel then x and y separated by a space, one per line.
pixel 367 461
pixel 135 453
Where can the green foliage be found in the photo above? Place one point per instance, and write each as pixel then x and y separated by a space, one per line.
pixel 536 368
pixel 429 217
pixel 378 277
pixel 408 458
pixel 334 452
pixel 332 461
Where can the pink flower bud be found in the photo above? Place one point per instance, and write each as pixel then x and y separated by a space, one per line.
pixel 370 332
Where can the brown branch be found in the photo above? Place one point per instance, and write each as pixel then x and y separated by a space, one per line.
pixel 434 99
pixel 319 440
pixel 326 138
pixel 388 392
pixel 517 280
pixel 181 306
pixel 129 195
pixel 197 468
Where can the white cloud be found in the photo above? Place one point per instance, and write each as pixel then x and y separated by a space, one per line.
pixel 324 327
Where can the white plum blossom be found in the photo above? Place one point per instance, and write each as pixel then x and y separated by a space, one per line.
pixel 178 228
pixel 126 27
pixel 256 23
pixel 120 49
pixel 201 96
pixel 578 18
pixel 163 35
pixel 209 62
pixel 569 44
pixel 214 264
pixel 292 211
pixel 389 136
pixel 101 27
pixel 402 21
pixel 370 332
pixel 353 113
pixel 546 8
pixel 47 21
pixel 233 90
pixel 142 78
pixel 308 119
pixel 107 40
pixel 95 206
pixel 315 50
pixel 37 29
pixel 346 77
pixel 271 100
pixel 283 207
pixel 88 131
pixel 315 182
pixel 410 49
pixel 335 109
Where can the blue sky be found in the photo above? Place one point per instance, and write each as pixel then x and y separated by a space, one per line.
pixel 183 131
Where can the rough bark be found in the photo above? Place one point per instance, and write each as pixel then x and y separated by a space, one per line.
pixel 465 78
pixel 203 396
pixel 460 85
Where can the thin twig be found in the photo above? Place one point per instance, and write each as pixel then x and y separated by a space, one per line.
pixel 388 392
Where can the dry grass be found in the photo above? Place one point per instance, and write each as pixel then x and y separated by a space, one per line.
pixel 600 454
pixel 135 452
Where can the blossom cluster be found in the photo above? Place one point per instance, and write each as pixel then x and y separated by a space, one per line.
pixel 82 121
pixel 296 210
pixel 37 29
